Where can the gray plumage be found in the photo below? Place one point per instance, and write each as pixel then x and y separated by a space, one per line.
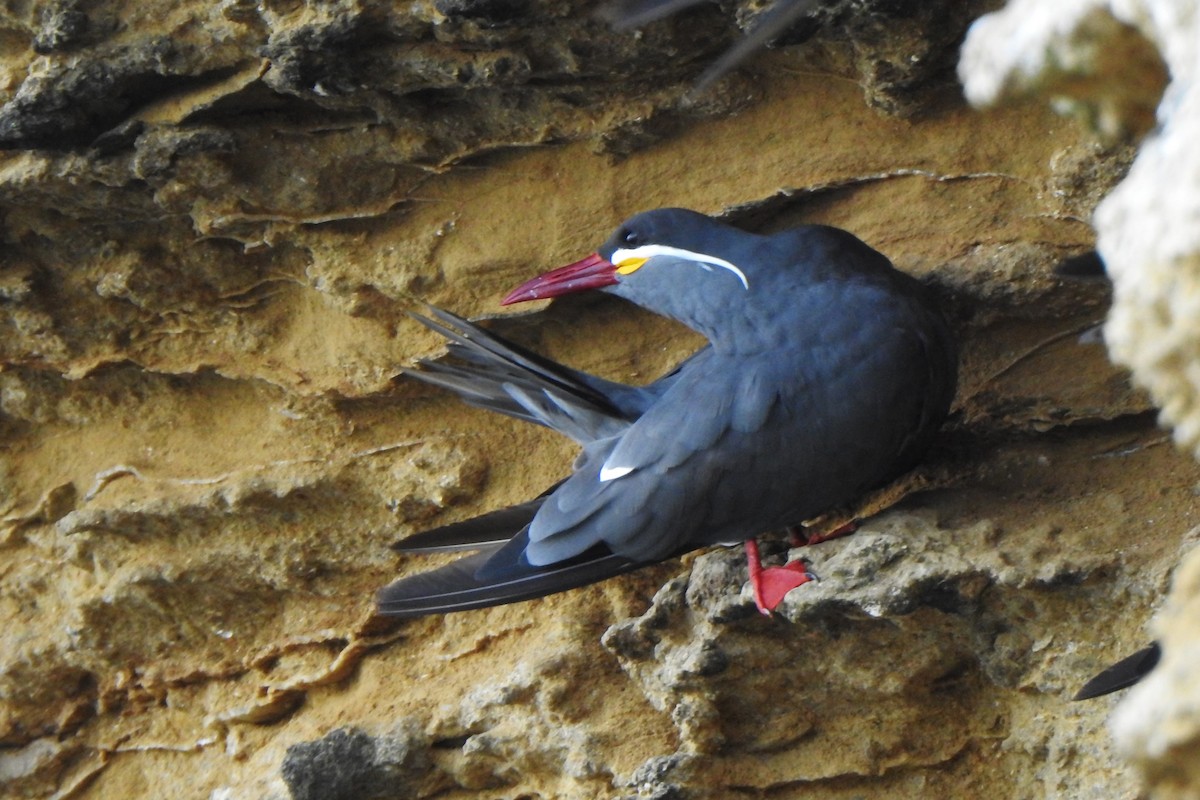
pixel 827 374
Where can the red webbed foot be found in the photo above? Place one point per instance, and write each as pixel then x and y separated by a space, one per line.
pixel 771 584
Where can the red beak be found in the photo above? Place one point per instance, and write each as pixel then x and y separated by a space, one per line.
pixel 589 273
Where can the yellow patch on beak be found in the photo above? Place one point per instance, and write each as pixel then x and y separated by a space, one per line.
pixel 628 266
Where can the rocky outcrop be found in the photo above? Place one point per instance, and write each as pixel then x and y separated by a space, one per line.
pixel 215 218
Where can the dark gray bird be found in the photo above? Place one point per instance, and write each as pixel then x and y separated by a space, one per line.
pixel 827 374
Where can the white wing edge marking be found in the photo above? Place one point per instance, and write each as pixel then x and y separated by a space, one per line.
pixel 652 250
pixel 612 473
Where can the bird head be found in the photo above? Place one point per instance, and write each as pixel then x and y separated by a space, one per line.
pixel 669 260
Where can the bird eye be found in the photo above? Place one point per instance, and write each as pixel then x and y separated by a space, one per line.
pixel 630 238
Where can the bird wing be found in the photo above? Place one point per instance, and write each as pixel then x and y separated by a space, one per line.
pixel 495 576
pixel 501 376
pixel 678 478
pixel 692 420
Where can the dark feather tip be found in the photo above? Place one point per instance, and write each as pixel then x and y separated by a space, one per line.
pixel 1123 674
pixel 1085 266
pixel 496 575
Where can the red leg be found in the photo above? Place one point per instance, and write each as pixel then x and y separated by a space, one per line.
pixel 799 538
pixel 770 585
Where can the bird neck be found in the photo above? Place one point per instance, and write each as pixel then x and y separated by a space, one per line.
pixel 736 334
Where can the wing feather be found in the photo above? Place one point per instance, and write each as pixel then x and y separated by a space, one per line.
pixel 494 528
pixel 478 581
pixel 491 372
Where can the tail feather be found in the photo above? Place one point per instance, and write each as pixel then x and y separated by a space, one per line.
pixel 482 346
pixel 501 376
pixel 485 390
pixel 494 528
pixel 458 587
pixel 575 420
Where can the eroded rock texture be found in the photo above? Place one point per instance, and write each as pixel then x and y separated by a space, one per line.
pixel 1101 60
pixel 215 217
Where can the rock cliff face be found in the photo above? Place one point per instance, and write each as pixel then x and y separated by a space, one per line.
pixel 214 219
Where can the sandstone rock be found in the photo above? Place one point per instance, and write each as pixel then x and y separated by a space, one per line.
pixel 215 218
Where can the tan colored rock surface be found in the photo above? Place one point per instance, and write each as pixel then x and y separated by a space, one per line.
pixel 214 219
pixel 1157 727
pixel 1099 58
